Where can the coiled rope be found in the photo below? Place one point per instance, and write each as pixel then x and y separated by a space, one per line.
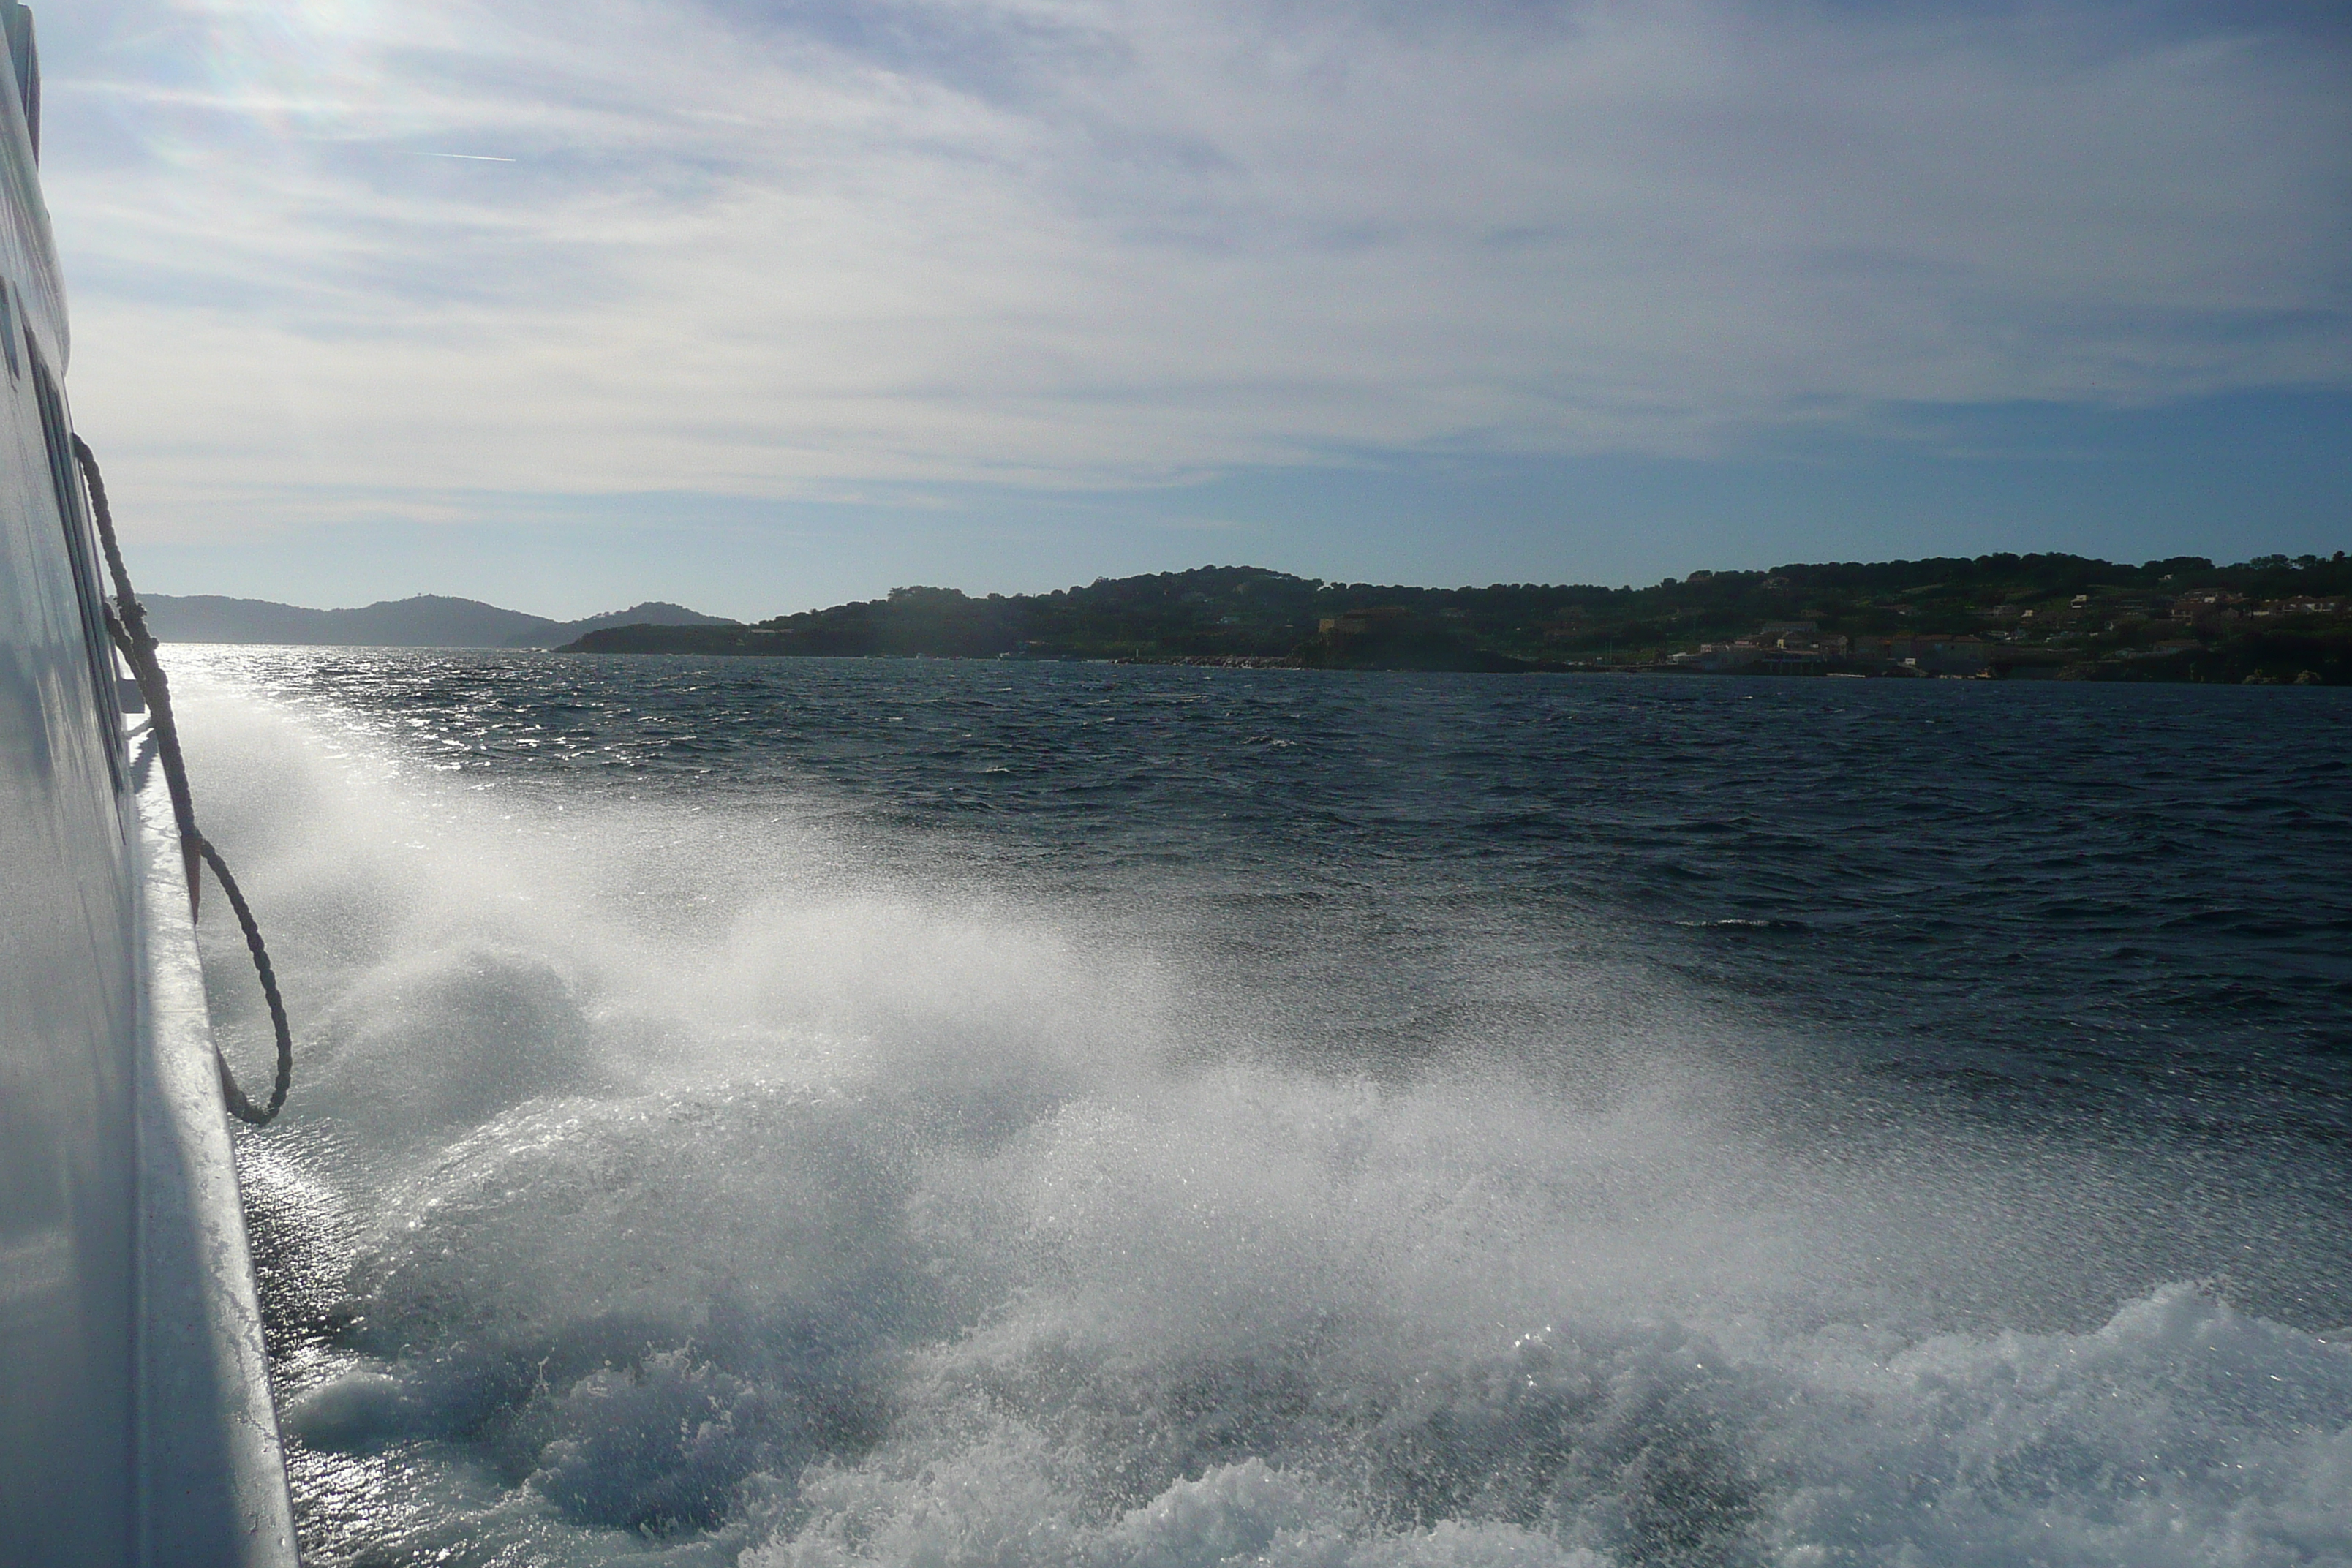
pixel 126 623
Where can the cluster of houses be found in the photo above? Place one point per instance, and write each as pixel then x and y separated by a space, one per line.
pixel 1801 648
pixel 2169 625
pixel 2209 610
pixel 1360 623
pixel 2301 604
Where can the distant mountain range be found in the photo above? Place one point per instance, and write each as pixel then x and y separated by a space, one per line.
pixel 428 620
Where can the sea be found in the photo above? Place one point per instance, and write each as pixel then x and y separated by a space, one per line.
pixel 812 1113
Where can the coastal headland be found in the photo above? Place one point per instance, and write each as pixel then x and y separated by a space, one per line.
pixel 2270 620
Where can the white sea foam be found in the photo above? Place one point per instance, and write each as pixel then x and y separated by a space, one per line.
pixel 835 1222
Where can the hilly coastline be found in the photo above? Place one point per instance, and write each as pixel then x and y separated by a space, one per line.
pixel 2272 619
pixel 428 620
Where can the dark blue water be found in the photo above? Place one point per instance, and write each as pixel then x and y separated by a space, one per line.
pixel 2126 903
pixel 2052 984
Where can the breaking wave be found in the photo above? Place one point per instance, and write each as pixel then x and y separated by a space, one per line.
pixel 667 1183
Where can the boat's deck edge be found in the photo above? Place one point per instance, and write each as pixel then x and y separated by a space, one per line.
pixel 212 1476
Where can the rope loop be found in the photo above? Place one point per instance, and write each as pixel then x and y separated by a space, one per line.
pixel 126 624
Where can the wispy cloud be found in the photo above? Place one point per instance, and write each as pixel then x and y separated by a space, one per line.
pixel 782 249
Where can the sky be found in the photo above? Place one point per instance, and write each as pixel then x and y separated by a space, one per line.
pixel 758 305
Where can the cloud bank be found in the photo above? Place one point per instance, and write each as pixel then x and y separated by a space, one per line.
pixel 795 250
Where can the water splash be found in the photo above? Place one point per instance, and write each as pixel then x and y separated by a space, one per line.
pixel 810 1215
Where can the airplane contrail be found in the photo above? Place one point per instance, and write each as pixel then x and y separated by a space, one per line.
pixel 468 157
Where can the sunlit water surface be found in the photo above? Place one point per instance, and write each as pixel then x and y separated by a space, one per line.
pixel 824 1113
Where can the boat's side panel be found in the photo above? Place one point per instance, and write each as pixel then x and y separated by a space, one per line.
pixel 27 251
pixel 24 218
pixel 135 1419
pixel 68 983
pixel 67 1017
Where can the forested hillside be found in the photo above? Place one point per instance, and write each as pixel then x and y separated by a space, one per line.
pixel 2064 609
